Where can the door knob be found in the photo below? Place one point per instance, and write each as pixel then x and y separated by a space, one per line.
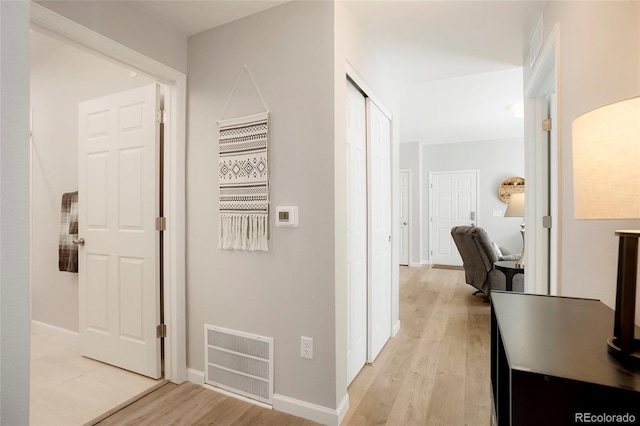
pixel 79 242
pixel 404 223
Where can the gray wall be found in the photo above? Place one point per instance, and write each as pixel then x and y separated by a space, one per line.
pixel 59 81
pixel 287 292
pixel 410 160
pixel 598 63
pixel 495 161
pixel 14 213
pixel 129 25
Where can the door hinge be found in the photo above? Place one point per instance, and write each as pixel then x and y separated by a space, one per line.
pixel 547 222
pixel 161 223
pixel 161 116
pixel 546 125
pixel 161 331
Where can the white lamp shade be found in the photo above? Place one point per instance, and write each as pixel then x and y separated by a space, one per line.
pixel 515 207
pixel 606 162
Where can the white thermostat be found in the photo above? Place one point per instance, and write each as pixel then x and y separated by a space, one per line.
pixel 287 216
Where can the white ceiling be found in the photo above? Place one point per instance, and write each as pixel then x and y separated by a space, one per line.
pixel 462 109
pixel 433 40
pixel 420 41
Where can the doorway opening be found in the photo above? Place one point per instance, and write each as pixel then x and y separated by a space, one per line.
pixel 137 67
pixel 61 77
pixel 542 154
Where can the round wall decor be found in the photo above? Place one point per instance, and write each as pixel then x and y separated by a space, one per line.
pixel 510 186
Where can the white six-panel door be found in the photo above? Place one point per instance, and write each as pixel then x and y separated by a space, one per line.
pixel 453 203
pixel 356 232
pixel 404 217
pixel 117 205
pixel 379 130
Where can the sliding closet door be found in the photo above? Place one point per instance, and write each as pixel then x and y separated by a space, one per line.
pixel 356 232
pixel 379 144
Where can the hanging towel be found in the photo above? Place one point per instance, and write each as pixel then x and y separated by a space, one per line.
pixel 67 251
pixel 244 183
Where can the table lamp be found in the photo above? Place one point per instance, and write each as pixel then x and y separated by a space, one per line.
pixel 606 177
pixel 515 208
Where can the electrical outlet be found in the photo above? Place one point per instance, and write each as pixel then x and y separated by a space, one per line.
pixel 306 347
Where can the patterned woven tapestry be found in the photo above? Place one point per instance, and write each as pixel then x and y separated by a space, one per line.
pixel 244 183
pixel 67 251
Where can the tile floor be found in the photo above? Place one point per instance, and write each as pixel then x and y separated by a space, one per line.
pixel 68 389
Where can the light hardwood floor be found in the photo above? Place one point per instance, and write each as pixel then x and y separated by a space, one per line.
pixel 434 372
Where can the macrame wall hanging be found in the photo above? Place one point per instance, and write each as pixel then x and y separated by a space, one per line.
pixel 244 178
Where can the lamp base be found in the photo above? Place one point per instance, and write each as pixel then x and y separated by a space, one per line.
pixel 630 360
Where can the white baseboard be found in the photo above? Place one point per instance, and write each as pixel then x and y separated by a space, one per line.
pixel 415 265
pixel 42 327
pixel 307 410
pixel 343 408
pixel 425 262
pixel 396 328
pixel 195 376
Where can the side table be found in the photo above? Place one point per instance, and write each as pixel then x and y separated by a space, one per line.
pixel 509 269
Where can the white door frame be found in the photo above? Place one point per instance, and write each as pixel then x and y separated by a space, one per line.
pixel 544 80
pixel 70 32
pixel 409 212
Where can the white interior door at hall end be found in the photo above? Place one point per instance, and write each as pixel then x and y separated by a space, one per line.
pixel 379 131
pixel 404 218
pixel 356 232
pixel 118 201
pixel 453 203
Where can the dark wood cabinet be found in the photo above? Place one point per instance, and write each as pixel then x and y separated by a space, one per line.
pixel 550 366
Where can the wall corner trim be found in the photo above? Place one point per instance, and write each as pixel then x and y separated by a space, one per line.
pixel 195 376
pixel 396 329
pixel 307 410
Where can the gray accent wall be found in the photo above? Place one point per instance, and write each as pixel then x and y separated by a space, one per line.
pixel 129 25
pixel 494 161
pixel 289 291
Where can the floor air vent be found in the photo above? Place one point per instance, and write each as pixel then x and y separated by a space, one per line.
pixel 239 362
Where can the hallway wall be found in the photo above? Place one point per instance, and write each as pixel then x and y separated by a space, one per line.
pixel 598 63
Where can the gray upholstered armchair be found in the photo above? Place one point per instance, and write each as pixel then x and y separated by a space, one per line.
pixel 478 256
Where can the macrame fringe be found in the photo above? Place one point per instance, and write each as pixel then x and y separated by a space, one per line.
pixel 243 232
